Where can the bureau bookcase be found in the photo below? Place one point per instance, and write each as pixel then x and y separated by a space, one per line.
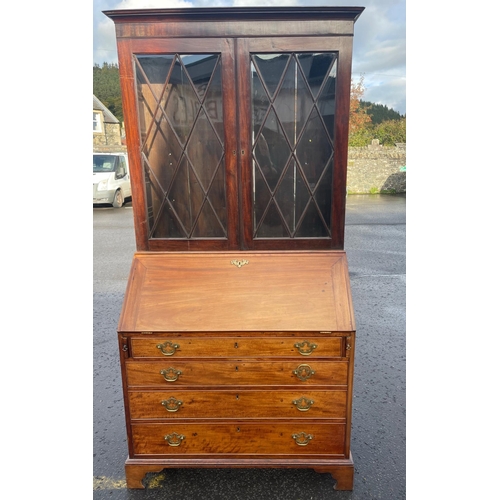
pixel 237 329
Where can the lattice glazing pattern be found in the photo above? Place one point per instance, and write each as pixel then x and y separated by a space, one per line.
pixel 182 144
pixel 293 104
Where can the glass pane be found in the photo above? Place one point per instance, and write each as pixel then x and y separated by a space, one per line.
pixel 316 68
pixel 323 194
pixel 181 196
pixel 271 67
pixel 200 69
pixel 204 150
pixel 271 150
pixel 216 196
pixel 311 225
pixel 293 100
pixel 183 103
pixel 326 100
pixel 262 197
pixel 272 226
pixel 260 103
pixel 286 195
pixel 182 132
pixel 314 148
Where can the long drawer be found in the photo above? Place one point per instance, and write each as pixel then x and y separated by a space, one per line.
pixel 257 438
pixel 235 347
pixel 188 404
pixel 235 372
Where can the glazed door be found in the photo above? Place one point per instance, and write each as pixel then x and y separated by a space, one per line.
pixel 289 160
pixel 238 142
pixel 186 121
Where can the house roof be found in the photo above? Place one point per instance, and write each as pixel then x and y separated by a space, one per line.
pixel 108 116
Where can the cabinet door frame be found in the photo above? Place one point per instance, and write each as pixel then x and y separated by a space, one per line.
pixel 298 44
pixel 127 49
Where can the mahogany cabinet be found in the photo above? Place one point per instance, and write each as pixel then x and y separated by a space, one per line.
pixel 237 329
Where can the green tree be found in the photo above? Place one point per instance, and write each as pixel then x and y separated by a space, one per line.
pixel 390 132
pixel 106 86
pixel 379 112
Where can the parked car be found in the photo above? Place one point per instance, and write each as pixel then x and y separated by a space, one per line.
pixel 111 179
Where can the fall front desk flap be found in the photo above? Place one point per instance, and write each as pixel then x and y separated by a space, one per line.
pixel 238 291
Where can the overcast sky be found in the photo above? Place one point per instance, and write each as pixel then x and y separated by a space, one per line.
pixel 379 39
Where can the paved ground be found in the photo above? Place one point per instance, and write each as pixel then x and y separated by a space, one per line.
pixel 375 241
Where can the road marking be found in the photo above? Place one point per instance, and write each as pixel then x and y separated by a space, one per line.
pixel 108 483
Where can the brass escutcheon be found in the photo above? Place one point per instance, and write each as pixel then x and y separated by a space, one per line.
pixel 170 374
pixel 171 404
pixel 303 372
pixel 302 439
pixel 305 348
pixel 174 439
pixel 303 404
pixel 239 263
pixel 168 348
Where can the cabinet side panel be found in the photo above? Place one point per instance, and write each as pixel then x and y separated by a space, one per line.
pixel 131 301
pixel 127 82
pixel 342 301
pixel 341 135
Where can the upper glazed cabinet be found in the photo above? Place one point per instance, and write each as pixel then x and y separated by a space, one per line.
pixel 237 125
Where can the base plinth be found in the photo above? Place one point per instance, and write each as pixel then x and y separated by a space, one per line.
pixel 342 470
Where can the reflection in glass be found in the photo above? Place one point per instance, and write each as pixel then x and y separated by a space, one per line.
pixel 293 107
pixel 181 127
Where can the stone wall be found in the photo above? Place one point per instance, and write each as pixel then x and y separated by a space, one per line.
pixel 376 169
pixel 110 137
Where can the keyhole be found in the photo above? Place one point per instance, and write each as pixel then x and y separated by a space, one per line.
pixel 236 368
pixel 236 345
pixel 237 396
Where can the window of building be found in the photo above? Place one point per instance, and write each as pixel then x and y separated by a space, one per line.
pixel 97 119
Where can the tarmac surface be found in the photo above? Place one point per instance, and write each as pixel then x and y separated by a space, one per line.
pixel 375 242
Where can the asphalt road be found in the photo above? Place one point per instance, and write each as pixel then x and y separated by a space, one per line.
pixel 375 242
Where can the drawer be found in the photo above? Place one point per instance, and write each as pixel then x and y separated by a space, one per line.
pixel 235 347
pixel 186 404
pixel 256 438
pixel 237 372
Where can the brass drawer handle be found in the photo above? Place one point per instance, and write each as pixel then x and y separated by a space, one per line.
pixel 302 439
pixel 174 439
pixel 170 374
pixel 303 404
pixel 168 348
pixel 303 372
pixel 305 348
pixel 171 404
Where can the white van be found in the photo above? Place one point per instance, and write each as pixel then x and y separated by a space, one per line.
pixel 111 179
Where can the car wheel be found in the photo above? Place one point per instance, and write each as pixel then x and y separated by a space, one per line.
pixel 118 201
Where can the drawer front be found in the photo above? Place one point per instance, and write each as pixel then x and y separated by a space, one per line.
pixel 179 404
pixel 235 347
pixel 258 438
pixel 211 373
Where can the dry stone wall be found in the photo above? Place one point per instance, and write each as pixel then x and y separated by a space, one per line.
pixel 376 169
